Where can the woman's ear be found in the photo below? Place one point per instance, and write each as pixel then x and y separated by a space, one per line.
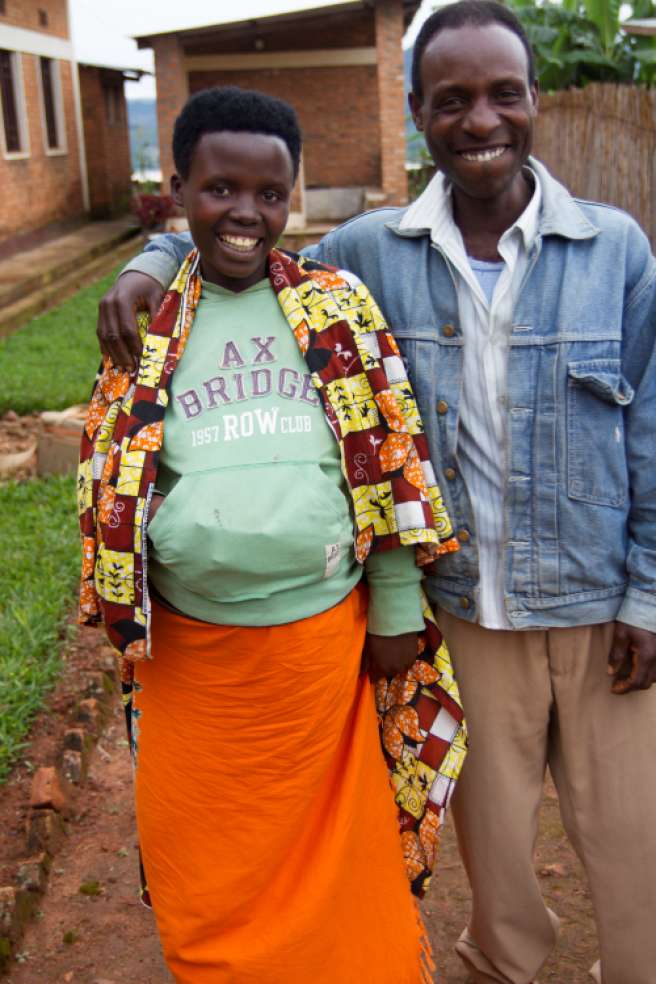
pixel 176 190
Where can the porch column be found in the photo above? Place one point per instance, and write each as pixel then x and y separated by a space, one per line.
pixel 391 100
pixel 172 93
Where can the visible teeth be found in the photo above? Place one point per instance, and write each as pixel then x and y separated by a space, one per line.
pixel 244 243
pixel 483 155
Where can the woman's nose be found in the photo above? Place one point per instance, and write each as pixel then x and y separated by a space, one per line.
pixel 244 209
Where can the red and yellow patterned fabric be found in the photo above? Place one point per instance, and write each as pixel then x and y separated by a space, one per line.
pixel 369 405
pixel 424 740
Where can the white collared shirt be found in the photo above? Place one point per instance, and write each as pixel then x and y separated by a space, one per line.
pixel 483 420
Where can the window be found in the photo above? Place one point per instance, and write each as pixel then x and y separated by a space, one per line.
pixel 51 101
pixel 13 110
pixel 3 7
pixel 43 18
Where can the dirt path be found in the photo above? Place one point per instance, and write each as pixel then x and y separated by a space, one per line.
pixel 564 890
pixel 112 937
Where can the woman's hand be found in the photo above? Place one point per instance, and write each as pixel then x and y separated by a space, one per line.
pixel 118 335
pixel 155 502
pixel 385 656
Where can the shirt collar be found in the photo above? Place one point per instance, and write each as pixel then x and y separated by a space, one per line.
pixel 432 212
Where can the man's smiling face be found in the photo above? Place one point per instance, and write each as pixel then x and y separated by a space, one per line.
pixel 236 197
pixel 477 109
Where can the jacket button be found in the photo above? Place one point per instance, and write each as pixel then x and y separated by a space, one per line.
pixel 463 536
pixel 465 602
pixel 442 406
pixel 450 473
pixel 448 331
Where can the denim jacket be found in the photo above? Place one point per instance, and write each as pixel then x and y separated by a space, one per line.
pixel 580 501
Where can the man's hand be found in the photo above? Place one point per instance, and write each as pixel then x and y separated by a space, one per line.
pixel 632 659
pixel 385 656
pixel 117 331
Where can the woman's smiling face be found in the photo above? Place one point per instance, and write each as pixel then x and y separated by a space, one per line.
pixel 236 197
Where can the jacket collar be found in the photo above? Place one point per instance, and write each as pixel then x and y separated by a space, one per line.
pixel 560 215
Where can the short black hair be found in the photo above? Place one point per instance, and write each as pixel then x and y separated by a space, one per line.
pixel 239 110
pixel 479 13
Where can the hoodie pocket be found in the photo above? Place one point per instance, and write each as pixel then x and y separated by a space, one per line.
pixel 597 394
pixel 237 534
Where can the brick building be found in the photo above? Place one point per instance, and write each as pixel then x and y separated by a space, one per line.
pixel 63 136
pixel 340 65
pixel 106 138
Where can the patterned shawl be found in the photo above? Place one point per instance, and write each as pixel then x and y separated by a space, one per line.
pixel 359 374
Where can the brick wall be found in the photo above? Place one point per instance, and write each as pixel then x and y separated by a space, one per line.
pixel 337 109
pixel 106 140
pixel 41 188
pixel 25 13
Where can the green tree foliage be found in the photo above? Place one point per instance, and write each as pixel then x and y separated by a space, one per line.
pixel 580 41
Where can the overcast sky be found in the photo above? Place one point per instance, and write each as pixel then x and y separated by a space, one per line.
pixel 102 31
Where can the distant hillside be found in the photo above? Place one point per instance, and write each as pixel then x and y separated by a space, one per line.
pixel 414 142
pixel 144 144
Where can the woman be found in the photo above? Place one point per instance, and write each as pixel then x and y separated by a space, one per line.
pixel 267 451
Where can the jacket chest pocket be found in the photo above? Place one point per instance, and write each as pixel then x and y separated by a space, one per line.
pixel 597 394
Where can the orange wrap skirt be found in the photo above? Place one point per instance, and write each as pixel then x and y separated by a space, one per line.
pixel 267 824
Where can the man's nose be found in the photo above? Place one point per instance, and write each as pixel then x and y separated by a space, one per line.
pixel 481 119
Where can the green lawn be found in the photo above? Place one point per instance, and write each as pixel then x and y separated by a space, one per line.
pixel 50 364
pixel 38 579
pixel 47 365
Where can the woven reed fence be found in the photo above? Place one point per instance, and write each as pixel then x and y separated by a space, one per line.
pixel 601 143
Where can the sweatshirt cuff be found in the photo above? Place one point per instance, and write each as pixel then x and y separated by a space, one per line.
pixel 395 604
pixel 157 265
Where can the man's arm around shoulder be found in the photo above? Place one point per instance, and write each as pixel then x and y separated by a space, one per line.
pixel 140 287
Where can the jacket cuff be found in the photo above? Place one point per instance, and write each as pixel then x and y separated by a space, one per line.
pixel 157 265
pixel 639 609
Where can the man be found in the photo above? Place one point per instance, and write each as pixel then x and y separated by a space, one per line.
pixel 528 322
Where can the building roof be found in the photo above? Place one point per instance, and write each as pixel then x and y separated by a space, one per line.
pixel 255 12
pixel 645 26
pixel 129 74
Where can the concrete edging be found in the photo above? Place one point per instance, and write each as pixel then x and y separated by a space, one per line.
pixel 53 796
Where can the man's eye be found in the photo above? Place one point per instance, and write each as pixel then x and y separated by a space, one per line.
pixel 509 95
pixel 451 104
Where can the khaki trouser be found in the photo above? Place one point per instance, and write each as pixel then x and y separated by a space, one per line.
pixel 541 698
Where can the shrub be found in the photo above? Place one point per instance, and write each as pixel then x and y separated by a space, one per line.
pixel 152 210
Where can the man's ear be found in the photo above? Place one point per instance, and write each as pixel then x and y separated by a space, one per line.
pixel 416 111
pixel 176 190
pixel 535 96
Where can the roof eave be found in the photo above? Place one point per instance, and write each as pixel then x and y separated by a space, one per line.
pixel 146 40
pixel 129 74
